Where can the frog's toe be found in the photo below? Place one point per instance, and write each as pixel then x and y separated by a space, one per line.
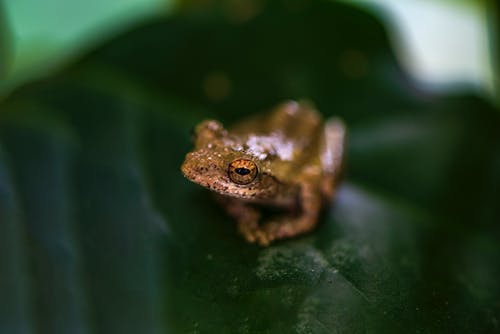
pixel 276 230
pixel 253 234
pixel 263 239
pixel 259 237
pixel 250 238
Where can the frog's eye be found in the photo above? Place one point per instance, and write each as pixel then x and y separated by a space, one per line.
pixel 242 171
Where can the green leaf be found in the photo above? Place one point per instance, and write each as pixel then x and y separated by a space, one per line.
pixel 101 233
pixel 40 36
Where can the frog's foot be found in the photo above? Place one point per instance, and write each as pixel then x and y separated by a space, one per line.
pixel 285 227
pixel 253 233
pixel 247 217
pixel 289 226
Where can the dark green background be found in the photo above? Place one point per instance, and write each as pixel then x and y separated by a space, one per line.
pixel 100 233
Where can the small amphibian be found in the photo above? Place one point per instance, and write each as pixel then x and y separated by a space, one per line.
pixel 289 160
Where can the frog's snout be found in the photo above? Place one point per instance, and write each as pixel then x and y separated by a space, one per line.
pixel 188 167
pixel 197 167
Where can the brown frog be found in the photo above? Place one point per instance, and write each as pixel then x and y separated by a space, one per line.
pixel 288 159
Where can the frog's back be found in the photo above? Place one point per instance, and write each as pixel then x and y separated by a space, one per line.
pixel 285 140
pixel 293 119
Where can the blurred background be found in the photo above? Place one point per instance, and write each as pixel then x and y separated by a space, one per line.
pixel 443 44
pixel 100 233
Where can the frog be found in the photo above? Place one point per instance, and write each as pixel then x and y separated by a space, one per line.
pixel 288 160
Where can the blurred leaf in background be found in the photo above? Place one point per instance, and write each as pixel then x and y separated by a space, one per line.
pixel 445 45
pixel 101 234
pixel 45 34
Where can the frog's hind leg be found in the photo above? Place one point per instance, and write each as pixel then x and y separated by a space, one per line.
pixel 313 192
pixel 332 155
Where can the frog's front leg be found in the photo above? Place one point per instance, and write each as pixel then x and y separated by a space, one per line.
pixel 247 218
pixel 301 222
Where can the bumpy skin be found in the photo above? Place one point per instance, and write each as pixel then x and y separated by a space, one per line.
pixel 298 159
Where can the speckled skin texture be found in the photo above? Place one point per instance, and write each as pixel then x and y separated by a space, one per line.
pixel 298 159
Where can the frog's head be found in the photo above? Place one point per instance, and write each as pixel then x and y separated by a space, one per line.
pixel 221 163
